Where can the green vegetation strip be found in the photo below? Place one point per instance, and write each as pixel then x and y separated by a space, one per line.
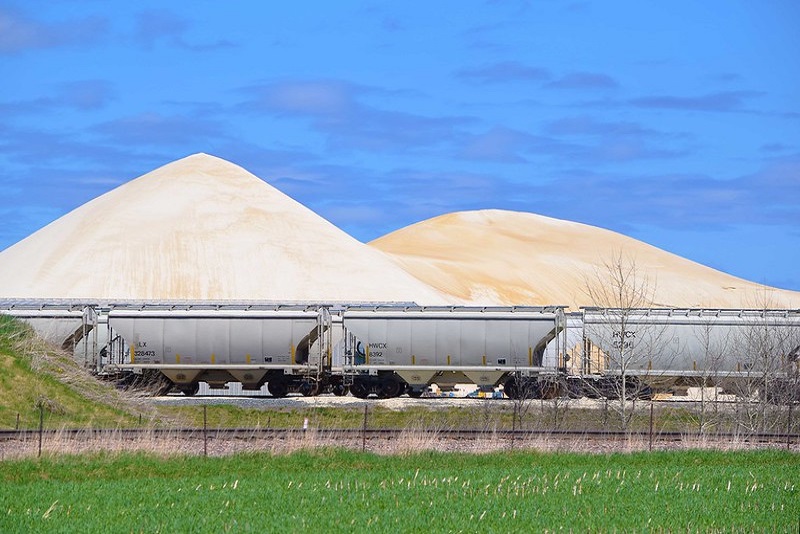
pixel 341 491
pixel 37 380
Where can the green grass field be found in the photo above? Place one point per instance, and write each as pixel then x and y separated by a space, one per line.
pixel 339 491
pixel 34 375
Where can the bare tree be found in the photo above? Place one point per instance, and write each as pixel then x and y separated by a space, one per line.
pixel 712 344
pixel 767 361
pixel 619 343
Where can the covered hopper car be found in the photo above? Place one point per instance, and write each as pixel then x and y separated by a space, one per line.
pixel 389 350
pixel 252 344
pixel 397 349
pixel 737 350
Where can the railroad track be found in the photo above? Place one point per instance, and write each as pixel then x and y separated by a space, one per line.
pixel 387 433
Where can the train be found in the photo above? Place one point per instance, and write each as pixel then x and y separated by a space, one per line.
pixel 384 350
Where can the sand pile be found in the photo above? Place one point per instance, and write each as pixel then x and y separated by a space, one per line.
pixel 204 228
pixel 201 228
pixel 503 257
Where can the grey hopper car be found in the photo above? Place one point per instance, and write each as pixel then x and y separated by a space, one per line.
pixel 248 344
pixel 73 326
pixel 732 349
pixel 396 349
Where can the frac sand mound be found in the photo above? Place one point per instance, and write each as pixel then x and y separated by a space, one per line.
pixel 503 257
pixel 201 228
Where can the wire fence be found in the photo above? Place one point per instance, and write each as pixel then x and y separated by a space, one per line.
pixel 482 426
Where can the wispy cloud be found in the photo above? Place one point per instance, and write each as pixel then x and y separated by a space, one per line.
pixel 507 145
pixel 725 101
pixel 83 95
pixel 153 26
pixel 775 147
pixel 158 129
pixel 767 197
pixel 583 80
pixel 36 146
pixel 337 110
pixel 157 26
pixel 503 72
pixel 615 141
pixel 587 125
pixel 19 33
pixel 316 98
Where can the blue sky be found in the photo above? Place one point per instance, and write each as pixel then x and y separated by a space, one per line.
pixel 677 123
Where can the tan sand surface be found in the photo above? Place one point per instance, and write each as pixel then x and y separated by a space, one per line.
pixel 201 228
pixel 504 257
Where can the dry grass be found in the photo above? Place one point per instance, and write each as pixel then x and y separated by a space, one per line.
pixel 410 441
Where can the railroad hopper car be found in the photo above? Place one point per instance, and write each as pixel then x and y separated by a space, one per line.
pixel 392 350
pixel 655 349
pixel 217 344
pixel 75 327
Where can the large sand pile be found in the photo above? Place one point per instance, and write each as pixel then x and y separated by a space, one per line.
pixel 503 257
pixel 201 228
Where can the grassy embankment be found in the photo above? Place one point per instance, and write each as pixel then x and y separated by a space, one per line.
pixel 34 376
pixel 339 491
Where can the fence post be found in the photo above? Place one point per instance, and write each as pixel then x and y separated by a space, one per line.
pixel 651 425
pixel 41 427
pixel 364 431
pixel 514 422
pixel 205 430
pixel 789 426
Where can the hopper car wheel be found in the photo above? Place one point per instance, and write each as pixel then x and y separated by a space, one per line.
pixel 524 389
pixel 414 393
pixel 190 389
pixel 634 390
pixel 390 387
pixel 575 389
pixel 278 388
pixel 358 389
pixel 309 388
pixel 550 390
pixel 340 390
pixel 645 392
pixel 510 388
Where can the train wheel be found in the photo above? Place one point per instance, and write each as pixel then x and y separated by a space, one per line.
pixel 414 393
pixel 574 389
pixel 645 392
pixel 390 387
pixel 510 388
pixel 190 390
pixel 358 389
pixel 522 389
pixel 309 388
pixel 340 390
pixel 531 389
pixel 278 388
pixel 549 390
